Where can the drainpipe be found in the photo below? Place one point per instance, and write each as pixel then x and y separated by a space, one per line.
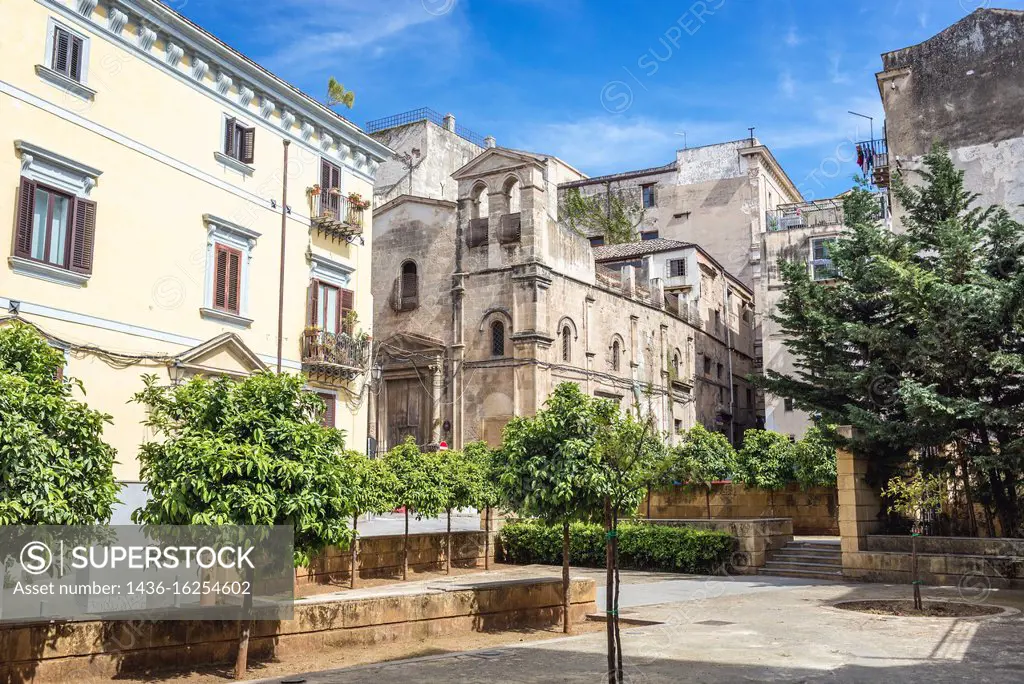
pixel 728 345
pixel 284 226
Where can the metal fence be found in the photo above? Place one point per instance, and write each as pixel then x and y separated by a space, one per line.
pixel 422 114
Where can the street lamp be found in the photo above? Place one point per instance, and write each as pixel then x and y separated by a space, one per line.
pixel 871 121
pixel 375 374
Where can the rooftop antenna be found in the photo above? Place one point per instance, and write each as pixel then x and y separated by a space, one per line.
pixel 684 139
pixel 751 129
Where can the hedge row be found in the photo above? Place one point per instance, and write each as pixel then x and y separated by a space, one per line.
pixel 641 547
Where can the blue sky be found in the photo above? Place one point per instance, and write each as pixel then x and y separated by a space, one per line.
pixel 607 85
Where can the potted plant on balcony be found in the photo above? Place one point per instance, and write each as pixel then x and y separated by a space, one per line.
pixel 356 201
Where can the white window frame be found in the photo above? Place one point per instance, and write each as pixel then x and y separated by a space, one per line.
pixel 46 71
pixel 218 150
pixel 66 175
pixel 654 195
pixel 223 232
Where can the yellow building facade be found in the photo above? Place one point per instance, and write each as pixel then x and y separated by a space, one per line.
pixel 143 171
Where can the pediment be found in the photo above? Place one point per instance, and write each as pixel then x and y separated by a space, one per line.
pixel 496 159
pixel 225 354
pixel 413 342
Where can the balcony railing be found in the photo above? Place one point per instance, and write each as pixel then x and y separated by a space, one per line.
pixel 336 217
pixel 875 160
pixel 818 214
pixel 510 229
pixel 334 355
pixel 477 232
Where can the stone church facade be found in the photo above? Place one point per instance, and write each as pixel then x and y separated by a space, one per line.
pixel 485 302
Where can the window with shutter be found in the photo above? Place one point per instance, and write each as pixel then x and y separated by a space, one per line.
pixel 230 144
pixel 227 279
pixel 248 145
pixel 330 179
pixel 348 304
pixel 409 288
pixel 54 228
pixel 61 51
pixel 329 418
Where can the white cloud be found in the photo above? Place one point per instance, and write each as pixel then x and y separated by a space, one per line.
pixel 793 38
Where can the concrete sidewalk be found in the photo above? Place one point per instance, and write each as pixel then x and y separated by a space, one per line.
pixel 745 629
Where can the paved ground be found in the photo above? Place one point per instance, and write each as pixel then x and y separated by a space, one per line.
pixel 738 630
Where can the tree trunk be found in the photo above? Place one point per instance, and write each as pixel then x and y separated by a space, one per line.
pixel 245 629
pixel 609 599
pixel 969 496
pixel 405 548
pixel 615 603
pixel 913 571
pixel 707 500
pixel 565 577
pixel 354 565
pixel 1005 508
pixel 448 544
pixel 487 537
pixel 648 502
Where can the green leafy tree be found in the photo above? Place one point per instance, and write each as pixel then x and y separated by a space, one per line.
pixel 55 468
pixel 373 491
pixel 418 487
pixel 459 488
pixel 615 215
pixel 337 95
pixel 910 497
pixel 814 459
pixel 248 452
pixel 765 462
pixel 480 464
pixel 548 468
pixel 699 460
pixel 631 452
pixel 918 340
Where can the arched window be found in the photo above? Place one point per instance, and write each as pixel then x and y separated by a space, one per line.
pixel 409 287
pixel 497 338
pixel 479 198
pixel 616 355
pixel 675 364
pixel 566 341
pixel 512 196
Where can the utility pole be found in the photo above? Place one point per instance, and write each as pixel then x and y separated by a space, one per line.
pixel 284 230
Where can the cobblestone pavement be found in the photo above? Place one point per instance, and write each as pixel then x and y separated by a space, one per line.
pixel 742 629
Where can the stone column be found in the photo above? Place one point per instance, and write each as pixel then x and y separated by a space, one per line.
pixel 859 503
pixel 435 409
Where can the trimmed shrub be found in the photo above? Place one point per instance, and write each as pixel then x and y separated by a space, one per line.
pixel 641 547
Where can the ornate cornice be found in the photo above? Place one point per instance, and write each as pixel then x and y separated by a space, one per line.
pixel 256 90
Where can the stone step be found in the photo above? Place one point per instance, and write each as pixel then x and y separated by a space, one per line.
pixel 814 546
pixel 798 554
pixel 801 574
pixel 796 565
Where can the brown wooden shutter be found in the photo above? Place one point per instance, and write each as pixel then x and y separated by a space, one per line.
pixel 83 238
pixel 26 211
pixel 348 303
pixel 248 145
pixel 220 278
pixel 61 48
pixel 329 419
pixel 234 280
pixel 325 175
pixel 229 138
pixel 314 301
pixel 75 59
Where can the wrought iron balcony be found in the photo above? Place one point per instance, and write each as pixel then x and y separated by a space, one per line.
pixel 335 216
pixel 477 232
pixel 875 155
pixel 337 356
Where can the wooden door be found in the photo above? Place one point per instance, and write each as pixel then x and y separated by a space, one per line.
pixel 408 407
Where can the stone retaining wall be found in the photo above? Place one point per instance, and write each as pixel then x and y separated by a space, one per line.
pixel 756 539
pixel 814 511
pixel 382 557
pixel 70 652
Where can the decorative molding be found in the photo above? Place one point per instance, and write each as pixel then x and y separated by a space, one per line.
pixel 225 317
pixel 334 272
pixel 267 106
pixel 326 140
pixel 287 119
pixel 199 68
pixel 85 7
pixel 49 272
pixel 174 54
pixel 307 130
pixel 147 37
pixel 235 164
pixel 344 152
pixel 69 85
pixel 36 153
pixel 224 83
pixel 217 224
pixel 116 20
pixel 245 95
pixel 173 27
